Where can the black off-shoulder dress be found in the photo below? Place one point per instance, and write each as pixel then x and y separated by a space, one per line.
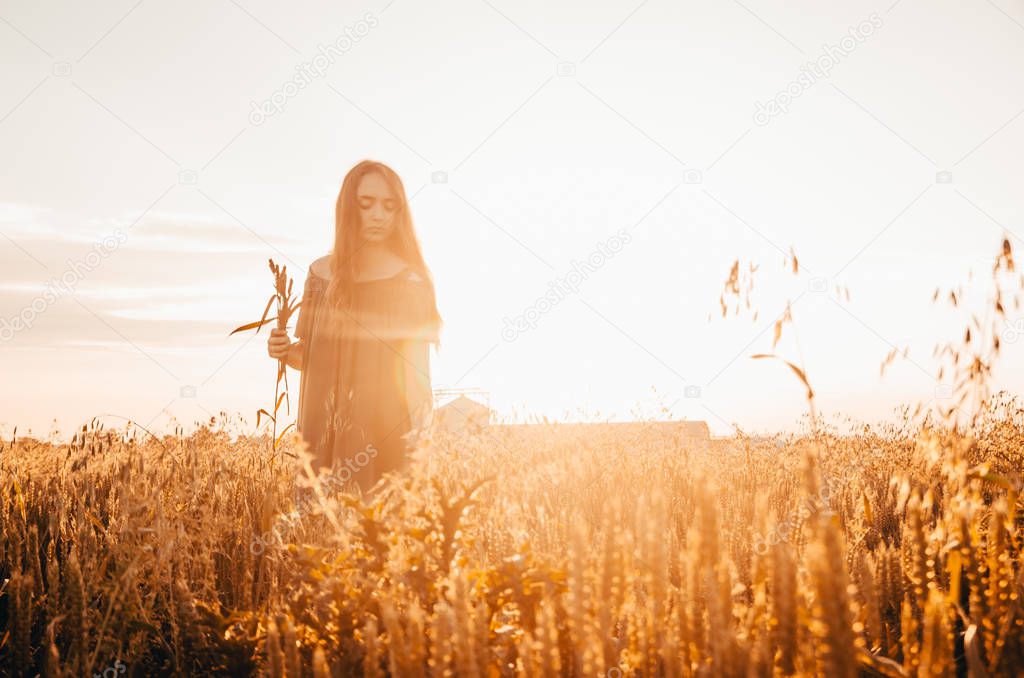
pixel 352 397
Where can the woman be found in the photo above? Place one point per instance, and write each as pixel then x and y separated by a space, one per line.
pixel 367 318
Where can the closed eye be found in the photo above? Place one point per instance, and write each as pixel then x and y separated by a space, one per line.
pixel 368 201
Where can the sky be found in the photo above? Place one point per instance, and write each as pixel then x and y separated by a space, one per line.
pixel 157 155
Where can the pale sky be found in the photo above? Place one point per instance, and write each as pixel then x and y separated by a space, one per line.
pixel 558 125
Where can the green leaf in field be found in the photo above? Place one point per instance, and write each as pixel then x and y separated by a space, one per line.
pixel 796 370
pixel 975 666
pixel 263 412
pixel 278 441
pixel 249 326
pixel 267 309
pixel 983 472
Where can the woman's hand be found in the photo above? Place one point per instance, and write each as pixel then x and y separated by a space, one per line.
pixel 279 345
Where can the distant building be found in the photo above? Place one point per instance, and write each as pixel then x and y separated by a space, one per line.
pixel 688 430
pixel 462 414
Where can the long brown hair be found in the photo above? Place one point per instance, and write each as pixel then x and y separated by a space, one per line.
pixel 403 240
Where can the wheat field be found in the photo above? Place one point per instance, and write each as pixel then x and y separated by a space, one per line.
pixel 703 456
pixel 893 552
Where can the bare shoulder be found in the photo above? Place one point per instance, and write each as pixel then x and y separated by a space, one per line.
pixel 321 267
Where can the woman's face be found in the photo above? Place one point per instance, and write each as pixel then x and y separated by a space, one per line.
pixel 378 206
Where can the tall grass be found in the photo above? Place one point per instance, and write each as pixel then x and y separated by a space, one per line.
pixel 892 551
pixel 901 555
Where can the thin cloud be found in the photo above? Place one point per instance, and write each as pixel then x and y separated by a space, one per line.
pixel 38 228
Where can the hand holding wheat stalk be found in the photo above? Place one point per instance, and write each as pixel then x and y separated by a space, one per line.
pixel 286 306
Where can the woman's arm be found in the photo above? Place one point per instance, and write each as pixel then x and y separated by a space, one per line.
pixel 295 353
pixel 280 347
